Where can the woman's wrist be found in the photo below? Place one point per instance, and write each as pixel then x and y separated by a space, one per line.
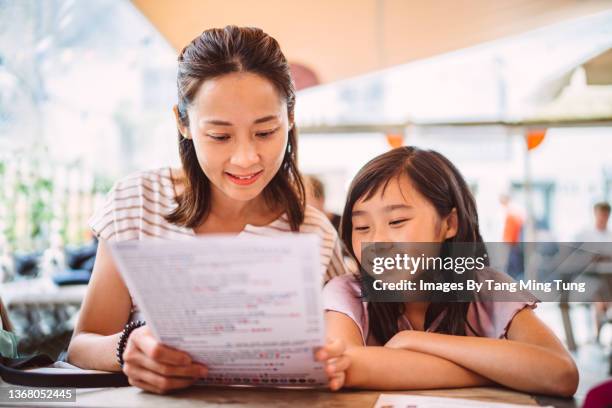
pixel 123 339
pixel 104 359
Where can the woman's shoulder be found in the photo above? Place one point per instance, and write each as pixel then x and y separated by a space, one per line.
pixel 151 189
pixel 316 221
pixel 135 207
pixel 156 181
pixel 489 273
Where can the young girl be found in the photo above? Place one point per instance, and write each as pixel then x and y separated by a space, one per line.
pixel 411 195
pixel 238 148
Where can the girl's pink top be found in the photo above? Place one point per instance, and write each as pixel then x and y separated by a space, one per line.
pixel 488 318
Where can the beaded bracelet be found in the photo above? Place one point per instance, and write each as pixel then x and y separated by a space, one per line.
pixel 127 330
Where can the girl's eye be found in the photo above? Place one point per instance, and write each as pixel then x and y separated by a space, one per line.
pixel 219 138
pixel 265 134
pixel 361 228
pixel 398 222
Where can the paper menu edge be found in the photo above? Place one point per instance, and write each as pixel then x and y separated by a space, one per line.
pixel 132 287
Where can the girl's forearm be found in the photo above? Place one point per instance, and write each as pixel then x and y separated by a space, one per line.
pixel 94 351
pixel 386 368
pixel 515 364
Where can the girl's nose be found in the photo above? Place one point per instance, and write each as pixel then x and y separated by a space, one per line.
pixel 382 237
pixel 383 246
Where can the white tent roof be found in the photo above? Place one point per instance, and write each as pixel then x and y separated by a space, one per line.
pixel 510 80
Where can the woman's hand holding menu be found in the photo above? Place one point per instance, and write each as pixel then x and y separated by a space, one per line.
pixel 157 368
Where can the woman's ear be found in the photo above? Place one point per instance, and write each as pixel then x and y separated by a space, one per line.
pixel 181 128
pixel 451 223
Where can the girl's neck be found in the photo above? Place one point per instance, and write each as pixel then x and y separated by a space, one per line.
pixel 415 313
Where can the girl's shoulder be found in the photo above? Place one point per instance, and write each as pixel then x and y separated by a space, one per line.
pixel 342 294
pixel 498 286
pixel 347 283
pixel 493 311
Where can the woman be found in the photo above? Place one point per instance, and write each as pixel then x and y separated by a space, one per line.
pixel 237 143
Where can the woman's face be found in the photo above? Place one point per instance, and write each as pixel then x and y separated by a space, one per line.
pixel 401 214
pixel 239 126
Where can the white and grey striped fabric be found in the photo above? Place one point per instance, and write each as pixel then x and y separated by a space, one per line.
pixel 134 210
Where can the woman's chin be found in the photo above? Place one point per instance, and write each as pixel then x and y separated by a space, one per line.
pixel 243 194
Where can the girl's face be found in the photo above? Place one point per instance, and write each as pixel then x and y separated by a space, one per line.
pixel 401 214
pixel 239 126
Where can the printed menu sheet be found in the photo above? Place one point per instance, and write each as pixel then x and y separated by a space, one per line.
pixel 249 308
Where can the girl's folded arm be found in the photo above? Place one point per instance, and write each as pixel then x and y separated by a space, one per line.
pixel 386 368
pixel 532 359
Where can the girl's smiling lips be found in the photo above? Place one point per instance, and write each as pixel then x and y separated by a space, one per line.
pixel 244 179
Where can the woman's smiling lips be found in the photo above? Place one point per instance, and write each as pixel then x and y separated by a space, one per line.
pixel 244 179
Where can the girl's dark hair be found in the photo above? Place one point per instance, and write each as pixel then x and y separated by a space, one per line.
pixel 220 51
pixel 439 181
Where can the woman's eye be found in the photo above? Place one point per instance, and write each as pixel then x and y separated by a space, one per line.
pixel 361 228
pixel 398 222
pixel 265 134
pixel 218 138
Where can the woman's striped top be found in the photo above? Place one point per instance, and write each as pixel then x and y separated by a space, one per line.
pixel 134 209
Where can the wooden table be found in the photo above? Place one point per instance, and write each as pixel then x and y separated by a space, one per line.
pixel 256 397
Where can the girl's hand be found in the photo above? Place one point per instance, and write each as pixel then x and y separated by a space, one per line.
pixel 155 367
pixel 402 339
pixel 336 362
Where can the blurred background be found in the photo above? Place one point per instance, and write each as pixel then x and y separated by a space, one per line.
pixel 517 93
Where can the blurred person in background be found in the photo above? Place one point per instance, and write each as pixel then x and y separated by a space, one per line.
pixel 315 196
pixel 599 232
pixel 513 229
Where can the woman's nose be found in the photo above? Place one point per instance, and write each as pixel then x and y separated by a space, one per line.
pixel 245 155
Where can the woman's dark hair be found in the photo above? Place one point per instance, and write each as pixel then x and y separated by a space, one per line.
pixel 439 181
pixel 217 52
